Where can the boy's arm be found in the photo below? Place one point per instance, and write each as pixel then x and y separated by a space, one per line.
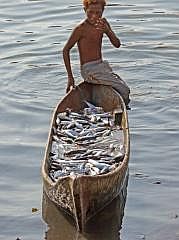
pixel 66 56
pixel 103 25
pixel 113 38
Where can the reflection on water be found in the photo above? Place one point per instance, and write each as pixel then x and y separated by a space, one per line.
pixel 104 226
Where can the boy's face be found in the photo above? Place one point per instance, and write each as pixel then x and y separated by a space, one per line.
pixel 94 12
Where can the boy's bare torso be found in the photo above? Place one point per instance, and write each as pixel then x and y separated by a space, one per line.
pixel 89 43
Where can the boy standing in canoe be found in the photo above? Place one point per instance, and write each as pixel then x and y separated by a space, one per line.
pixel 88 36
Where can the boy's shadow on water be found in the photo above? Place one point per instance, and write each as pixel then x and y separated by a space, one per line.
pixel 104 226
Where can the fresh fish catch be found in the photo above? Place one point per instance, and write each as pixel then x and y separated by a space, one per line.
pixel 85 143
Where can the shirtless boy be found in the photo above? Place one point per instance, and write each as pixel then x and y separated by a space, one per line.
pixel 88 36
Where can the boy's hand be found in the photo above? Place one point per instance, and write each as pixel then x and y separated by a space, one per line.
pixel 71 84
pixel 102 25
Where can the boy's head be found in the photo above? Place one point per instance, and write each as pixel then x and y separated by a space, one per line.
pixel 86 3
pixel 94 9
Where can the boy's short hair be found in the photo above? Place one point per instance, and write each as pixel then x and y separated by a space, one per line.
pixel 86 3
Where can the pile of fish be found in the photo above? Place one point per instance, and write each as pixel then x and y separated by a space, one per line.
pixel 85 143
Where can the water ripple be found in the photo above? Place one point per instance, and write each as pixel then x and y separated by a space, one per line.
pixel 33 79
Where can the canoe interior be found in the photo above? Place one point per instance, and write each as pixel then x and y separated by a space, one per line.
pixel 83 196
pixel 99 95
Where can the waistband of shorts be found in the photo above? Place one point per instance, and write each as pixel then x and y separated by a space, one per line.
pixel 92 63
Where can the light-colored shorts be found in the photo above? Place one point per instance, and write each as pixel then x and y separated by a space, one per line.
pixel 100 72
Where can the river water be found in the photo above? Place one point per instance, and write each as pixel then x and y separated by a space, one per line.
pixel 33 80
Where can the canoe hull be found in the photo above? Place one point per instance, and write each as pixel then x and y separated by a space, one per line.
pixel 84 196
pixel 97 227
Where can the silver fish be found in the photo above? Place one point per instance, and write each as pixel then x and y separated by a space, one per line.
pixel 67 140
pixel 78 125
pixel 55 164
pixel 83 121
pixel 87 153
pixel 58 174
pixel 91 169
pixel 56 138
pixel 98 153
pixel 107 161
pixel 54 147
pixel 104 115
pixel 93 119
pixel 99 129
pixel 105 170
pixel 84 138
pixel 63 116
pixel 54 157
pixel 70 133
pixel 97 164
pixel 101 124
pixel 94 170
pixel 106 121
pixel 106 132
pixel 112 147
pixel 86 132
pixel 54 130
pixel 90 105
pixel 119 157
pixel 70 125
pixel 64 123
pixel 76 116
pixel 93 108
pixel 98 134
pixel 86 142
pixel 58 121
pixel 82 166
pixel 75 151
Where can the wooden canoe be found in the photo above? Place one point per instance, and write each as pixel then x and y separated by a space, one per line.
pixel 84 196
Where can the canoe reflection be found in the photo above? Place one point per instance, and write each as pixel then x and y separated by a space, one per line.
pixel 104 226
